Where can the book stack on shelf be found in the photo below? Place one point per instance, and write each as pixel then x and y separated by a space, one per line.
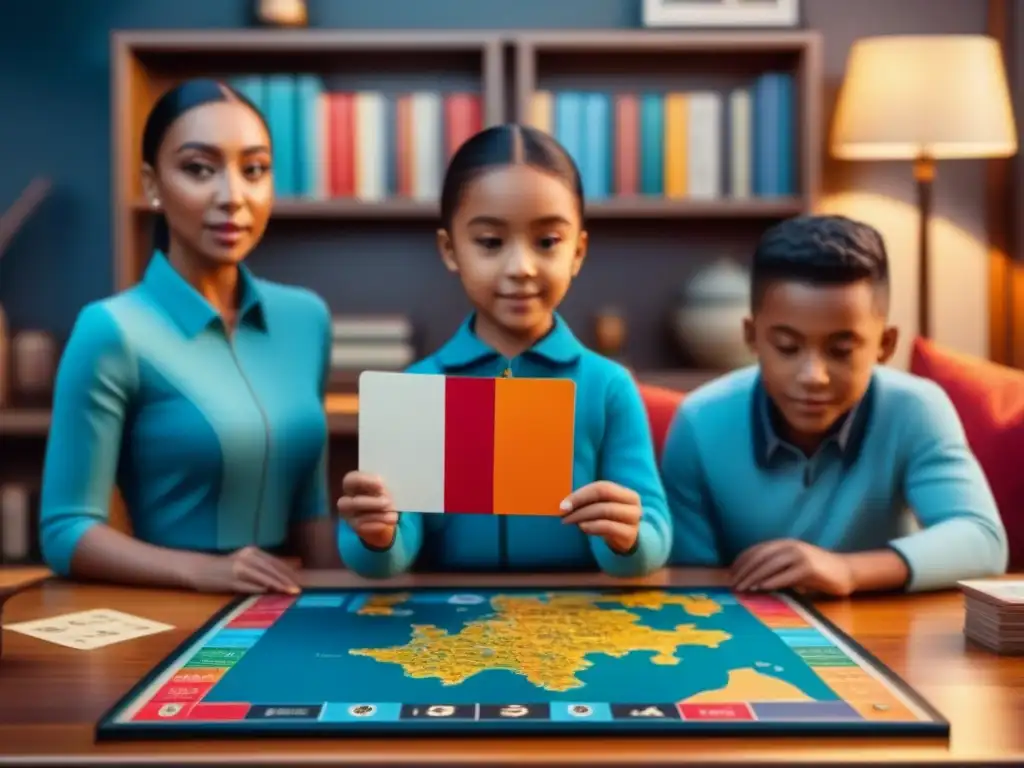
pixel 331 144
pixel 369 342
pixel 678 144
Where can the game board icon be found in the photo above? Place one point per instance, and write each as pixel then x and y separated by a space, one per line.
pixel 581 710
pixel 169 710
pixel 362 710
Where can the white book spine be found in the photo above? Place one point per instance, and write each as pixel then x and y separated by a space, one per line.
pixel 704 148
pixel 371 150
pixel 741 132
pixel 428 144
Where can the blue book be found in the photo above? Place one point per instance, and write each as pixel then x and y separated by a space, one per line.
pixel 766 127
pixel 786 137
pixel 282 116
pixel 253 88
pixel 309 138
pixel 568 127
pixel 652 144
pixel 596 152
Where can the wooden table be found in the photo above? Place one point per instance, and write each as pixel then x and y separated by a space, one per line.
pixel 51 697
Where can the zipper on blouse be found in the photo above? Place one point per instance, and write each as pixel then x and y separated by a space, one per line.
pixel 266 441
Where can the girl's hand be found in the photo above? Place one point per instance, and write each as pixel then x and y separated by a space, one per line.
pixel 607 510
pixel 366 508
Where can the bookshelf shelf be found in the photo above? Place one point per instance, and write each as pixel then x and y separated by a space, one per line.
pixel 659 208
pixel 621 208
pixel 342 209
pixel 24 422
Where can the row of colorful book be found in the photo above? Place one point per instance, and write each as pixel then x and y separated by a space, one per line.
pixel 374 146
pixel 359 144
pixel 697 144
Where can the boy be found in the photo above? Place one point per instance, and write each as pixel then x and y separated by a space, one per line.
pixel 796 473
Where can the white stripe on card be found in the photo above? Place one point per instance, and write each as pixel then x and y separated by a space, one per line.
pixel 401 436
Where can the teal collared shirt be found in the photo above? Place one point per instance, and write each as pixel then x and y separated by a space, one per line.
pixel 612 442
pixel 843 440
pixel 215 440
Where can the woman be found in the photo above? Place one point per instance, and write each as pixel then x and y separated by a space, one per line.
pixel 199 391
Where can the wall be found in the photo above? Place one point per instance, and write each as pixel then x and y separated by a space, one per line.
pixel 54 98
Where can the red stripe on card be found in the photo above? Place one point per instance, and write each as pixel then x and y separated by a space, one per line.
pixel 469 445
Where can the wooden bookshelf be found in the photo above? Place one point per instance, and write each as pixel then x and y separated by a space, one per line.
pixel 642 247
pixel 625 208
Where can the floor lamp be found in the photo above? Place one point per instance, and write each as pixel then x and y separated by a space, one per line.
pixel 924 98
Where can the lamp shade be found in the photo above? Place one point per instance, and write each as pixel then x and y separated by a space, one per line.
pixel 934 96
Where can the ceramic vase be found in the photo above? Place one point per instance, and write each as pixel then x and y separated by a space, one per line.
pixel 708 320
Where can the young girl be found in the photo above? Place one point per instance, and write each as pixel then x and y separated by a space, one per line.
pixel 199 391
pixel 512 230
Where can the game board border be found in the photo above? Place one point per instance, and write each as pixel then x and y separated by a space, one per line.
pixel 107 728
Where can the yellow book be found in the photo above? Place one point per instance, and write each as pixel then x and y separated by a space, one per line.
pixel 541 111
pixel 676 140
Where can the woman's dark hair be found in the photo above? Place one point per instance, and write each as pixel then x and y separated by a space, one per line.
pixel 169 107
pixel 510 144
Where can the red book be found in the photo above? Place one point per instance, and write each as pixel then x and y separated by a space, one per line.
pixel 627 144
pixel 341 144
pixel 463 117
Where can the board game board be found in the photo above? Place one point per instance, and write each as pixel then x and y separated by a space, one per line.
pixel 434 661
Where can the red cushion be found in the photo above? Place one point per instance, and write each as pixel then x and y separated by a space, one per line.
pixel 662 404
pixel 990 400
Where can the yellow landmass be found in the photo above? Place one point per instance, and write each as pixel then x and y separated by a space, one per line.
pixel 545 639
pixel 655 600
pixel 382 605
pixel 750 685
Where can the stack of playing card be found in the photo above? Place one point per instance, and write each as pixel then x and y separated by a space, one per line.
pixel 994 614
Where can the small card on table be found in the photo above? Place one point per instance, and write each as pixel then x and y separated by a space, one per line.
pixel 87 630
pixel 470 445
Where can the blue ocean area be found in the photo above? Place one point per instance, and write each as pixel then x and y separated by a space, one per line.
pixel 304 657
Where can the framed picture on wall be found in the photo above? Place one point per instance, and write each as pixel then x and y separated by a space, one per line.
pixel 721 13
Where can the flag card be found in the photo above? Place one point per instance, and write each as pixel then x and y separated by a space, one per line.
pixel 468 445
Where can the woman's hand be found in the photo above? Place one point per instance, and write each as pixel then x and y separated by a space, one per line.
pixel 249 570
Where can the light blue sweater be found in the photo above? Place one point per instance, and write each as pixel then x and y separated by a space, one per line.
pixel 732 482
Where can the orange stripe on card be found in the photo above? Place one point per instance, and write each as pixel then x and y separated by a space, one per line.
pixel 533 445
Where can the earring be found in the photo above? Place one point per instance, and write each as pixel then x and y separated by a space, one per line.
pixel 156 203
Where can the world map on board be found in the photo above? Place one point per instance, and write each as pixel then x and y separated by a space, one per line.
pixel 549 639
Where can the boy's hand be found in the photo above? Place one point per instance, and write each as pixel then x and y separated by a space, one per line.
pixel 366 507
pixel 792 564
pixel 607 510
